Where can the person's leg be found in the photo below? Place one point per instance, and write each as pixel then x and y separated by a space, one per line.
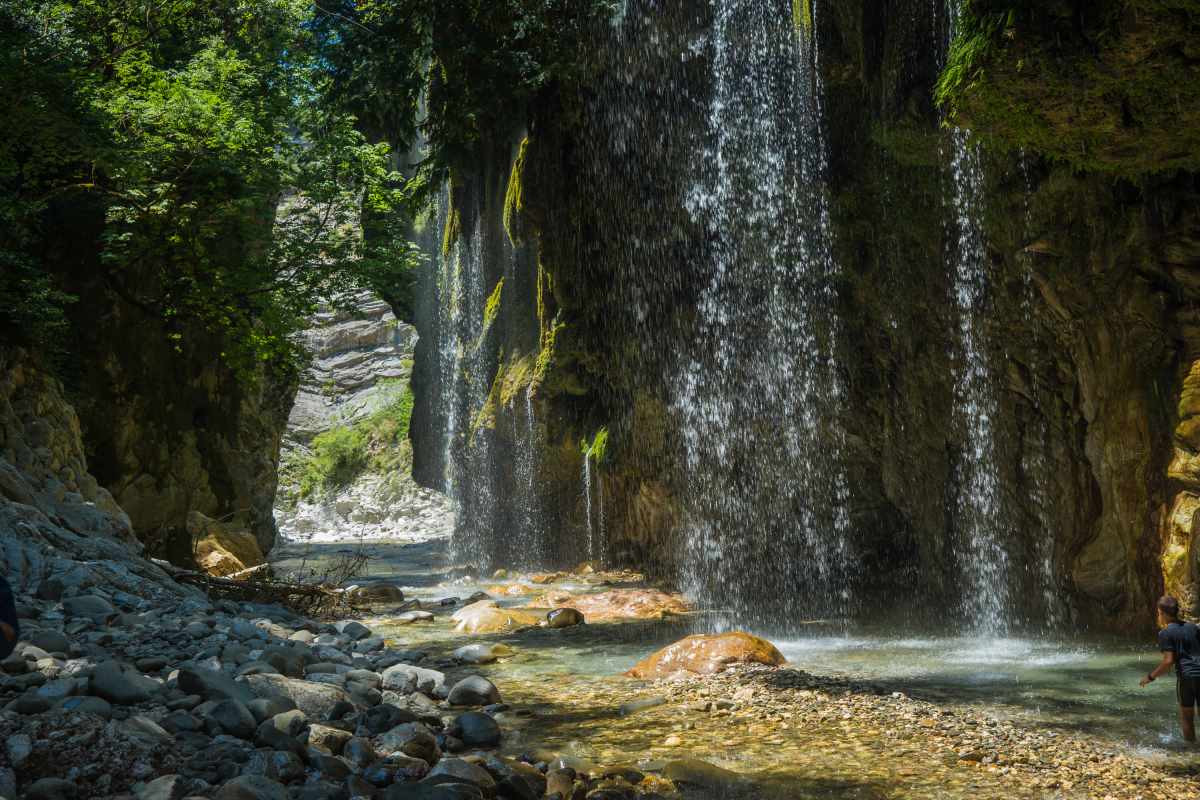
pixel 1185 689
pixel 1187 718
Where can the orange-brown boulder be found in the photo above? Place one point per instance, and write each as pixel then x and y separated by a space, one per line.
pixel 486 617
pixel 616 604
pixel 707 654
pixel 222 549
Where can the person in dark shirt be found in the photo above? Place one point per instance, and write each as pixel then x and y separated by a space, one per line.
pixel 1179 643
pixel 10 630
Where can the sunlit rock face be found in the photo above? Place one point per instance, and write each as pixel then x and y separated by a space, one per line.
pixel 357 355
pixel 1081 315
pixel 56 522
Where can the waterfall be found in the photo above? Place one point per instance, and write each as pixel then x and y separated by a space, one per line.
pixel 530 550
pixel 587 502
pixel 757 394
pixel 461 296
pixel 980 520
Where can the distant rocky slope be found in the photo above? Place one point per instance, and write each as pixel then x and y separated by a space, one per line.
pixel 346 461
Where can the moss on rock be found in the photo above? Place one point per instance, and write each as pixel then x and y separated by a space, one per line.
pixel 1111 87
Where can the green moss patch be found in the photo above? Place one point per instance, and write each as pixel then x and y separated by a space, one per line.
pixel 1117 92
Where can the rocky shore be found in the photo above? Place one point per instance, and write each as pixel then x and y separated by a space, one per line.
pixel 114 697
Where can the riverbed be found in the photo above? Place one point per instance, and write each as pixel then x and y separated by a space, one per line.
pixel 866 714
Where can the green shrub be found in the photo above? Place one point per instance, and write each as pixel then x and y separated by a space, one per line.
pixel 337 457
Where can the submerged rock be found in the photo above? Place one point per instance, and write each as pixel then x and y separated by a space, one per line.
pixel 707 654
pixel 482 653
pixel 616 604
pixel 485 616
pixel 564 618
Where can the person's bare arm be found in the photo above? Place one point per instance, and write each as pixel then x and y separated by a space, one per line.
pixel 1168 659
pixel 8 631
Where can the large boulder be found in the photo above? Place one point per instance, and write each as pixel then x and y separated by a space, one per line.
pixel 486 617
pixel 405 678
pixel 474 690
pixel 222 549
pixel 707 654
pixel 316 700
pixel 213 685
pixel 122 684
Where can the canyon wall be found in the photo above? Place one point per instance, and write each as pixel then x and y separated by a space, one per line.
pixel 1086 323
pixel 168 424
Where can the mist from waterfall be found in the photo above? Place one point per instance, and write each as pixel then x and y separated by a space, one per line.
pixel 980 523
pixel 464 385
pixel 757 393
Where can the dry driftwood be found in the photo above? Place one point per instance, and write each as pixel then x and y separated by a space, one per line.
pixel 253 585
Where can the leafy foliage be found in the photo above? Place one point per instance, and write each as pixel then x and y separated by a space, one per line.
pixel 475 64
pixel 337 457
pixel 226 192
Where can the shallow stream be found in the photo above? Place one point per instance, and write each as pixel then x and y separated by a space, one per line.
pixel 570 687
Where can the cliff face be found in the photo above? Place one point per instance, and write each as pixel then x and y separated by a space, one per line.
pixel 356 386
pixel 57 524
pixel 1083 323
pixel 168 426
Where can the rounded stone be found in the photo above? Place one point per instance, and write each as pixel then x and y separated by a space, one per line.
pixel 564 618
pixel 474 690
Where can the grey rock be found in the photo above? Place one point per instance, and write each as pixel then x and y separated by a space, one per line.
pixel 516 779
pixel 89 606
pixel 8 784
pixel 146 730
pixel 88 705
pixel 52 789
pixel 121 684
pixel 412 739
pixel 425 791
pixel 370 644
pixel 465 772
pixel 232 717
pixel 407 678
pixel 30 704
pixel 168 787
pixel 365 676
pixel 285 766
pixel 256 668
pixel 197 630
pixel 383 718
pixel 152 664
pixel 316 700
pixel 58 690
pixel 263 708
pixel 474 690
pixel 476 729
pixel 353 630
pixel 18 747
pixel 330 766
pixel 288 660
pixel 214 685
pixel 252 787
pixel 283 732
pixel 394 767
pixel 332 739
pixel 321 790
pixel 50 641
pixel 359 752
